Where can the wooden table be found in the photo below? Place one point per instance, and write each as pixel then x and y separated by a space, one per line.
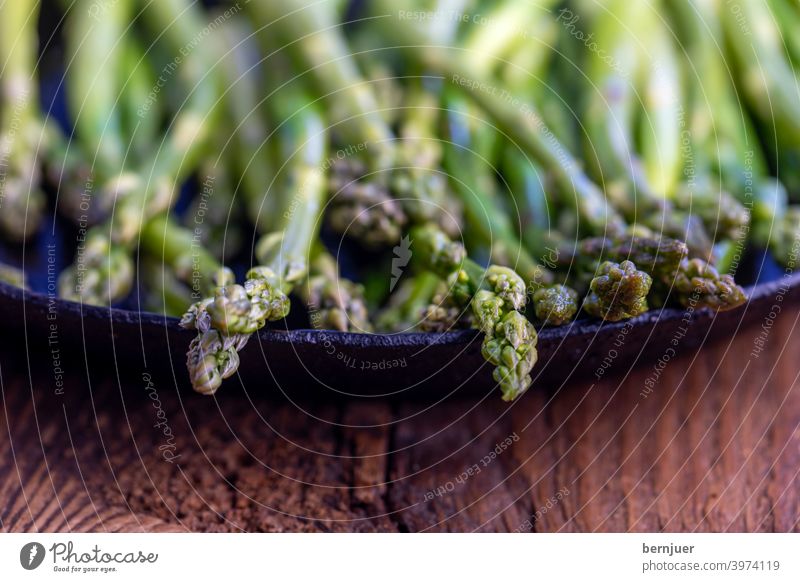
pixel 714 447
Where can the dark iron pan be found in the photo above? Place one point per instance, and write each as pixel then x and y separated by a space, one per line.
pixel 371 365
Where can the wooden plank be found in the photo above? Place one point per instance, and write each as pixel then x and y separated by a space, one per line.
pixel 714 447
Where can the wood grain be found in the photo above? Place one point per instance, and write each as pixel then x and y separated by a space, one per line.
pixel 714 447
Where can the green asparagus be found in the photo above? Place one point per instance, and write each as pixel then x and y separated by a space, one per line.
pixel 21 198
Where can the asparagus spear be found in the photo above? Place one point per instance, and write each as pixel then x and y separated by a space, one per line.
pixel 555 304
pixel 21 200
pixel 610 99
pixel 699 284
pixel 186 139
pixel 524 68
pixel 667 144
pixel 495 296
pixel 786 14
pixel 660 128
pixel 610 114
pixel 100 279
pixel 386 86
pixel 659 257
pixel 141 127
pixel 311 33
pixel 96 55
pixel 408 304
pixel 181 252
pixel 236 148
pixel 721 132
pixel 250 154
pixel 177 268
pixel 506 27
pixel 67 169
pixel 527 184
pixel 549 87
pixel 165 294
pixel 422 187
pixel 226 321
pixel 214 213
pixel 363 208
pixel 442 315
pixel 333 301
pixel 784 239
pixel 362 204
pixel 618 292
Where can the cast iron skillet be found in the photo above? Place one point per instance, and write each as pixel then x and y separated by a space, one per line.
pixel 370 365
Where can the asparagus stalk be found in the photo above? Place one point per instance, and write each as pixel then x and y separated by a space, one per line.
pixel 181 252
pixel 214 214
pixel 674 141
pixel 608 114
pixel 363 205
pixel 312 36
pixel 527 184
pixel 67 170
pixel 523 68
pixel 165 294
pixel 226 321
pixel 177 268
pixel 766 79
pixel 333 301
pixel 517 118
pixel 96 53
pixel 100 279
pixel 473 182
pixel 185 142
pixel 784 237
pixel 142 127
pixel 787 13
pixel 724 141
pixel 387 88
pixel 21 199
pixel 721 131
pixel 660 129
pixel 407 306
pixel 251 155
pixel 550 92
pixel 506 27
pixel 422 187
pixel 555 304
pixel 495 295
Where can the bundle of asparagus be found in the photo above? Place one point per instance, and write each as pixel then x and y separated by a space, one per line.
pixel 507 165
